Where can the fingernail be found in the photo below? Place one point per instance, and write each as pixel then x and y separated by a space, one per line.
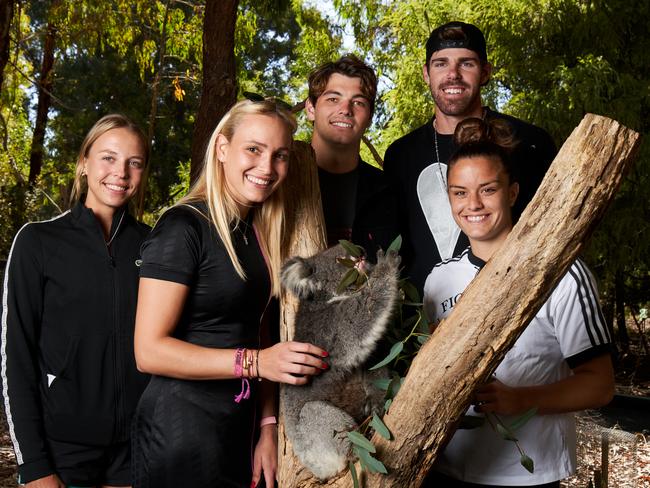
pixel 325 354
pixel 324 365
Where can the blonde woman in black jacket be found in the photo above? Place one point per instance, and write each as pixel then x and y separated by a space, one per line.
pixel 70 384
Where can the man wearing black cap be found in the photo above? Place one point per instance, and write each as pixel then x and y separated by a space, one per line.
pixel 456 68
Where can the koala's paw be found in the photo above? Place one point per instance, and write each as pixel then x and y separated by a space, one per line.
pixel 296 276
pixel 322 444
pixel 389 259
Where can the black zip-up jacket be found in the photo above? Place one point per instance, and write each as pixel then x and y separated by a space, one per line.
pixel 68 368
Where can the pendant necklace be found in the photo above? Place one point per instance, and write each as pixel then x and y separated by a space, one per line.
pixel 243 230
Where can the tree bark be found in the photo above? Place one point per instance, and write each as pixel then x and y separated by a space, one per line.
pixel 495 308
pixel 45 82
pixel 304 236
pixel 6 15
pixel 219 89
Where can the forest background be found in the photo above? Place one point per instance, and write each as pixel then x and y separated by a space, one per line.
pixel 174 66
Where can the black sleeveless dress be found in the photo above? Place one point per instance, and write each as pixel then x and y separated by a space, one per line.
pixel 193 433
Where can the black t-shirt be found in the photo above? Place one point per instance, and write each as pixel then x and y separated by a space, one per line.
pixel 410 165
pixel 338 194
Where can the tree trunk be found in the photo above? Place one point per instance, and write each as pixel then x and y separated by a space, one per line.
pixel 44 98
pixel 621 327
pixel 305 236
pixel 219 89
pixel 6 14
pixel 468 346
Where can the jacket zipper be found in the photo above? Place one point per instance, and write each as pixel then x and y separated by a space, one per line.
pixel 117 339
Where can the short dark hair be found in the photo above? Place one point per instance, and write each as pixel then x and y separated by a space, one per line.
pixel 347 65
pixel 457 35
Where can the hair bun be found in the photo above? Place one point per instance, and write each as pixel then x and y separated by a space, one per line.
pixel 475 130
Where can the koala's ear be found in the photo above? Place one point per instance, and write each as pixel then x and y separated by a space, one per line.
pixel 296 276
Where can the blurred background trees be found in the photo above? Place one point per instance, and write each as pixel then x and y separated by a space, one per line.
pixel 175 66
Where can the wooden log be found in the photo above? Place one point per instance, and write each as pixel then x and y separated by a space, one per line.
pixel 505 296
pixel 304 236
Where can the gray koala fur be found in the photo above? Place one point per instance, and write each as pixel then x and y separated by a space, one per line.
pixel 318 415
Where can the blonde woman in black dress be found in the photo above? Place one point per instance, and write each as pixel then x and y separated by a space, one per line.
pixel 208 273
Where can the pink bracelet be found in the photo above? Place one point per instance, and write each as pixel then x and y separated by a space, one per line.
pixel 239 359
pixel 268 421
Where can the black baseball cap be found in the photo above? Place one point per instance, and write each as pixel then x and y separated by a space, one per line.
pixel 457 35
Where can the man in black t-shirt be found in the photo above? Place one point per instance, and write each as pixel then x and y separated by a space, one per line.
pixel 456 68
pixel 358 203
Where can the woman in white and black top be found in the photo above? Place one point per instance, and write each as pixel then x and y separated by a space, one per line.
pixel 560 364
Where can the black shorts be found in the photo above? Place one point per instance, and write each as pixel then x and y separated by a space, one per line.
pixel 88 466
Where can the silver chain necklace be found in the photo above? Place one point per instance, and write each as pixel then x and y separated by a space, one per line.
pixel 435 142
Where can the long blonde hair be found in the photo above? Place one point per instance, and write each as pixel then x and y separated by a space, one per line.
pixel 211 187
pixel 102 126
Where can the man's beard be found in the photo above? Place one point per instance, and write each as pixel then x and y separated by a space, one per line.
pixel 456 107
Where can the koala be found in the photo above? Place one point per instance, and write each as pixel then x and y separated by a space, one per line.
pixel 348 326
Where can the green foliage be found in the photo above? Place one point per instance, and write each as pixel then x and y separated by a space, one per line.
pixel 379 426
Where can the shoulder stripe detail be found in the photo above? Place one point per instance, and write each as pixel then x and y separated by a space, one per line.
pixel 591 314
pixel 459 257
pixel 593 292
pixel 3 352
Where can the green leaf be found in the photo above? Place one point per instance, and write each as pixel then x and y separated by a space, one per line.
pixel 505 433
pixel 394 352
pixel 471 422
pixel 527 463
pixel 348 278
pixel 352 249
pixel 382 383
pixel 359 440
pixel 353 473
pixel 522 419
pixel 422 338
pixel 372 464
pixel 396 244
pixel 395 385
pixel 380 427
pixel 348 263
pixel 410 291
pixel 361 279
pixel 387 404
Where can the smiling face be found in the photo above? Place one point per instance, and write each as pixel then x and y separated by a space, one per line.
pixel 113 167
pixel 342 113
pixel 481 197
pixel 255 160
pixel 454 77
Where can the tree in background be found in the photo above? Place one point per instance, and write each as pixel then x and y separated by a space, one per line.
pixel 219 87
pixel 6 15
